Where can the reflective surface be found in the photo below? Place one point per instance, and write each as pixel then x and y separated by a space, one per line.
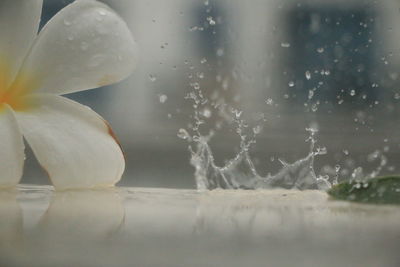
pixel 161 227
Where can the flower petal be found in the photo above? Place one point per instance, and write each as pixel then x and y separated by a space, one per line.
pixel 11 149
pixel 19 24
pixel 73 143
pixel 86 45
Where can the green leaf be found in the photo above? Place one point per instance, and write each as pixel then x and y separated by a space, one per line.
pixel 380 190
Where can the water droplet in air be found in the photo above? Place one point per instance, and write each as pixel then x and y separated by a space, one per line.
pixel 207 113
pixel 314 107
pixel 310 94
pixel 322 150
pixel 320 50
pixel 196 86
pixel 291 83
pixel 200 75
pixel 163 98
pixel 257 129
pixel 352 92
pixel 285 45
pixel 308 75
pixel 337 168
pixel 183 134
pixel 238 113
pixel 211 21
pixel 269 101
pixel 152 77
pixel 203 60
pixel 84 46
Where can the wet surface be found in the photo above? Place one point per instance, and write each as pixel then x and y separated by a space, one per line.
pixel 166 227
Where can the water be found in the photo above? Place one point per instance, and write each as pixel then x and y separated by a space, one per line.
pixel 240 172
pixel 169 227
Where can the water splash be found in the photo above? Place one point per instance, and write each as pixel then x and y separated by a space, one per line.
pixel 240 171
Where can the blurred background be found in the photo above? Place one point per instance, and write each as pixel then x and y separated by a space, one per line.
pixel 333 65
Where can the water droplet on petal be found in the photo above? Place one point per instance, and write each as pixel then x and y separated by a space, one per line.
pixel 96 60
pixel 67 22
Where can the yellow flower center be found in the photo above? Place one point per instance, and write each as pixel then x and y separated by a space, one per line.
pixel 13 93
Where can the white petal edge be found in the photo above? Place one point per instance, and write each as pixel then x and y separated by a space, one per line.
pixel 86 45
pixel 19 24
pixel 12 148
pixel 72 143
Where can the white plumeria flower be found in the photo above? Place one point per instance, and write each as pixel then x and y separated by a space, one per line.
pixel 86 45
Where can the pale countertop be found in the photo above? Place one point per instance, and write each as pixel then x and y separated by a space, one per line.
pixel 167 227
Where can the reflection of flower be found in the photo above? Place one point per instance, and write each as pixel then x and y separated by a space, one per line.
pixel 75 225
pixel 10 223
pixel 81 215
pixel 84 46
